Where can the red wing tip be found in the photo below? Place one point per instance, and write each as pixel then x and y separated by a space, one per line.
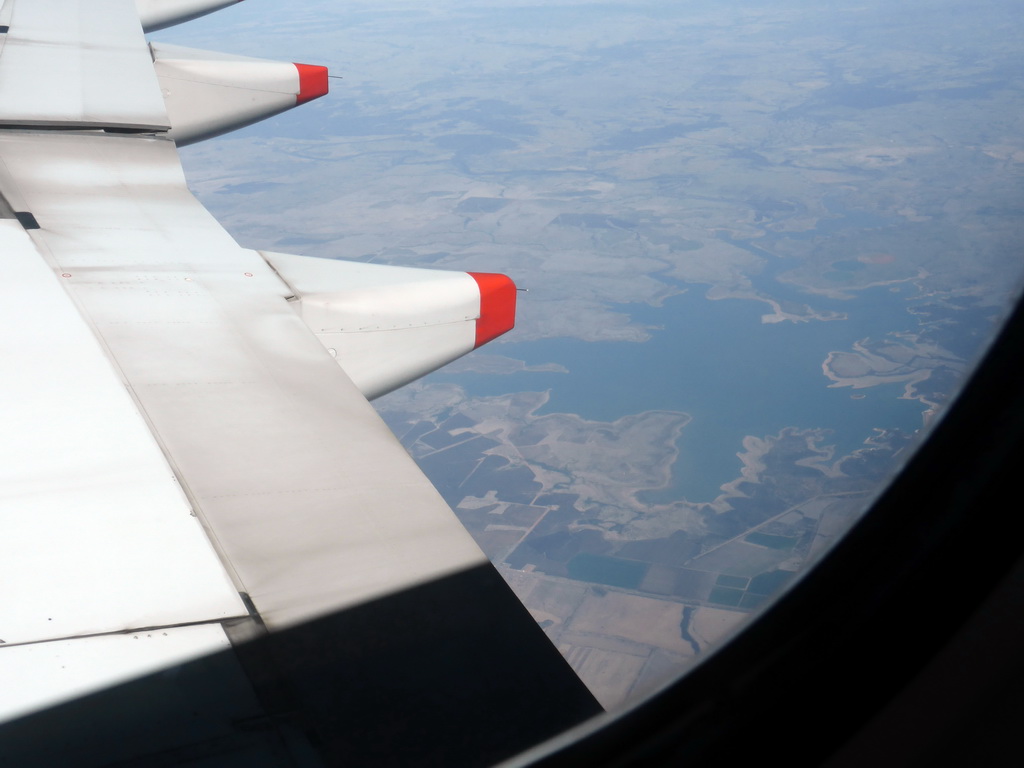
pixel 313 82
pixel 497 306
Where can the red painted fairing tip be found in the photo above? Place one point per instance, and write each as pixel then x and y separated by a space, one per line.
pixel 497 306
pixel 312 82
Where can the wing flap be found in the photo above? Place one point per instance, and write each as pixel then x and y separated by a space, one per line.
pixel 307 495
pixel 78 63
pixel 39 675
pixel 95 533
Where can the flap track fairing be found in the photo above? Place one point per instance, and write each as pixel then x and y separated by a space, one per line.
pixel 160 14
pixel 208 93
pixel 387 326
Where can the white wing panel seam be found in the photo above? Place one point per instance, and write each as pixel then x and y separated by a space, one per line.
pixel 45 674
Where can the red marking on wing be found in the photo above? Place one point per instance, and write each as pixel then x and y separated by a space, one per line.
pixel 313 82
pixel 497 306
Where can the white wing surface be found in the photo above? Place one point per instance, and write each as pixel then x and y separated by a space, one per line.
pixel 186 468
pixel 77 64
pixel 303 489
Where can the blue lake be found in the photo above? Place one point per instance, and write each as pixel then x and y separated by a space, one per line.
pixel 735 375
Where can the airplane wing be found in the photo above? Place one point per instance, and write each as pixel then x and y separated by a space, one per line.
pixel 192 476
